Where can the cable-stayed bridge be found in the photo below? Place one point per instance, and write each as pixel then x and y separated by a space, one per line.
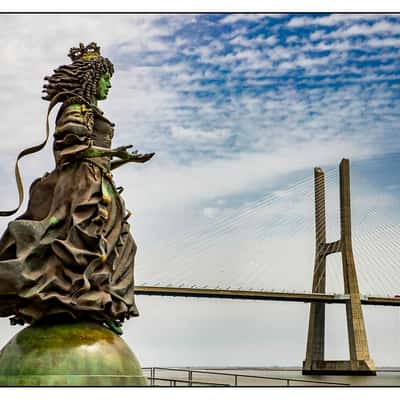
pixel 330 298
pixel 276 233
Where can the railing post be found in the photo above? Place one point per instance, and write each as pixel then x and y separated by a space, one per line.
pixel 190 377
pixel 236 380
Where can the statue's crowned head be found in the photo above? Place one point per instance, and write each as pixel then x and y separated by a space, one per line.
pixel 88 76
pixel 89 52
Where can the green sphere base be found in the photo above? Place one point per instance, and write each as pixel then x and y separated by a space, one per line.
pixel 69 354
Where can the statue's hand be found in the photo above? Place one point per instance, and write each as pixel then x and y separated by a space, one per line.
pixel 132 157
pixel 121 152
pixel 140 158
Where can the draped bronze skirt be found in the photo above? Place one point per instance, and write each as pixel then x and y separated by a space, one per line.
pixel 71 251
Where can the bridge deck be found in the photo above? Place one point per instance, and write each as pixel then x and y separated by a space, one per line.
pixel 261 295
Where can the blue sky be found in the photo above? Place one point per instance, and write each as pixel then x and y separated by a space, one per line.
pixel 244 81
pixel 239 108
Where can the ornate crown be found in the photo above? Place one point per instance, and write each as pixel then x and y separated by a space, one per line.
pixel 84 52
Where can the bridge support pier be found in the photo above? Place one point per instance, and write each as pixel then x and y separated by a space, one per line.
pixel 359 362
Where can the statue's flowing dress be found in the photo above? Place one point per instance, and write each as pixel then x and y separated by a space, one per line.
pixel 71 251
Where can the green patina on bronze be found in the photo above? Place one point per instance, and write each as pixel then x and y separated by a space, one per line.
pixel 106 190
pixel 103 86
pixel 93 152
pixel 53 221
pixel 69 354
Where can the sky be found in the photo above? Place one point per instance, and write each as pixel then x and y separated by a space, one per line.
pixel 239 109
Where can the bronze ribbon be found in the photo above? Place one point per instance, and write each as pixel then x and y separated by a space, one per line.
pixel 35 149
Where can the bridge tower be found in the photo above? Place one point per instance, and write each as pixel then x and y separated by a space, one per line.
pixel 359 362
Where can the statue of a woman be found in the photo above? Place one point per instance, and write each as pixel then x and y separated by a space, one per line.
pixel 71 252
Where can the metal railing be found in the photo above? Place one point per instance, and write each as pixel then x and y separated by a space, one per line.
pixel 234 376
pixel 173 382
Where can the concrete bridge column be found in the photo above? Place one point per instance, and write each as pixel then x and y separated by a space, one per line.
pixel 359 362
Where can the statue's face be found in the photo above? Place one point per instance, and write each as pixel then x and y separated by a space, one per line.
pixel 103 86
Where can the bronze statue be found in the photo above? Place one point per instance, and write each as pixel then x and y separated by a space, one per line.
pixel 71 255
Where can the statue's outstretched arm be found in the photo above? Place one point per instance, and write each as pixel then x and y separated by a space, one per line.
pixel 120 152
pixel 126 157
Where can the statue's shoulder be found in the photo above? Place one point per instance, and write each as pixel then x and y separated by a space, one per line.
pixel 77 114
pixel 74 105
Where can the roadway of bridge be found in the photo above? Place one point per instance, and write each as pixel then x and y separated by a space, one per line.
pixel 261 295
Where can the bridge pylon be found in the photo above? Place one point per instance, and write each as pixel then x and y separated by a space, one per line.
pixel 359 362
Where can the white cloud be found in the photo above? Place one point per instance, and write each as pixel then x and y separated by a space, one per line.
pixel 169 185
pixel 317 35
pixel 234 18
pixel 332 19
pixel 271 40
pixel 191 135
pixel 337 46
pixel 385 42
pixel 366 29
pixel 211 212
pixel 305 62
pixel 258 40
